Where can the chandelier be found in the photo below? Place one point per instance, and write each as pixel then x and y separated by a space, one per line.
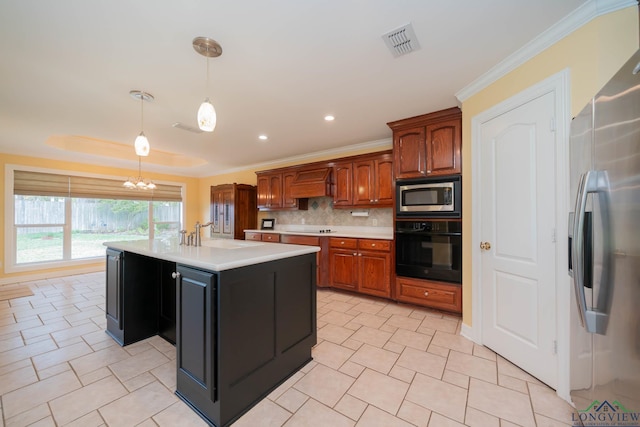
pixel 208 48
pixel 141 146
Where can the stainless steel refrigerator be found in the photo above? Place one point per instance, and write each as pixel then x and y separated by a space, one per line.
pixel 604 245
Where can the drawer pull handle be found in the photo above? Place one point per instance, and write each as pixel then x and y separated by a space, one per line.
pixel 373 245
pixel 426 293
pixel 175 275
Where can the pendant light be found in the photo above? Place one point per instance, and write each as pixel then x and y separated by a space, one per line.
pixel 141 143
pixel 208 48
pixel 139 183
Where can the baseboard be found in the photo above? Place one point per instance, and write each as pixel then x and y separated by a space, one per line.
pixel 469 333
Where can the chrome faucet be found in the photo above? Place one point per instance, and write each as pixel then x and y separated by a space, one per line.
pixel 198 238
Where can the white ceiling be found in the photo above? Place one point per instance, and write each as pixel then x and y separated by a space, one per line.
pixel 67 67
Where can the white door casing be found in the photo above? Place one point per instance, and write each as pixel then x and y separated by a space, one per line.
pixel 520 185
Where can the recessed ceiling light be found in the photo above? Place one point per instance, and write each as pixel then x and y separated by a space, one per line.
pixel 329 118
pixel 263 137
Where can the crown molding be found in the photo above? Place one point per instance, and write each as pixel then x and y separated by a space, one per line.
pixel 579 17
pixel 377 145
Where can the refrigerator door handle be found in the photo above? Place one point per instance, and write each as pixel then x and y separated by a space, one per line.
pixel 594 320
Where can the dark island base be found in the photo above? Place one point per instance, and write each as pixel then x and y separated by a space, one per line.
pixel 239 333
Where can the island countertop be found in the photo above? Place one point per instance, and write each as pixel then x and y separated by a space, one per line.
pixel 214 254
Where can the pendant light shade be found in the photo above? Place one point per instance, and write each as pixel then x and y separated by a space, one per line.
pixel 142 145
pixel 208 48
pixel 207 116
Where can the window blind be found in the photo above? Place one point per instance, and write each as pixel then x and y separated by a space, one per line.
pixel 47 184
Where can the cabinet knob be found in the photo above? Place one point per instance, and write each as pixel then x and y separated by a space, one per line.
pixel 355 253
pixel 342 243
pixel 373 245
pixel 175 275
pixel 428 171
pixel 426 293
pixel 359 254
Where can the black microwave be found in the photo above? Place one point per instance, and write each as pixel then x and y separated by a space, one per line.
pixel 429 197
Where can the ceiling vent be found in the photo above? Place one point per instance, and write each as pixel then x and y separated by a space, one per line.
pixel 401 40
pixel 188 128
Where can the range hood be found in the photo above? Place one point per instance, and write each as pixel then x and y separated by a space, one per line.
pixel 311 183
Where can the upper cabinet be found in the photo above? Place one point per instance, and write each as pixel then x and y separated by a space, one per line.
pixel 428 145
pixel 364 181
pixel 274 191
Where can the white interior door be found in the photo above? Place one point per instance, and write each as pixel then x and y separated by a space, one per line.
pixel 518 233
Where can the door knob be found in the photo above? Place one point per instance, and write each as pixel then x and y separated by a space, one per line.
pixel 485 246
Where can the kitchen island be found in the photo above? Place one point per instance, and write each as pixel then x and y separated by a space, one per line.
pixel 244 314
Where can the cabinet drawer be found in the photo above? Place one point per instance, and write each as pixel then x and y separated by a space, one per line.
pixel 337 242
pixel 374 245
pixel 300 240
pixel 431 294
pixel 250 235
pixel 271 237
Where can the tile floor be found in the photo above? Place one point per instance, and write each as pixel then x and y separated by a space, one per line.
pixel 377 363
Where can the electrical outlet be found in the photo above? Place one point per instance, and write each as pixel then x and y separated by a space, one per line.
pixel 375 222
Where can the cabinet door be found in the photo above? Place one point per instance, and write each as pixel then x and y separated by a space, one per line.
pixel 344 271
pixel 344 184
pixel 287 200
pixel 167 301
pixel 216 210
pixel 375 273
pixel 264 193
pixel 227 213
pixel 410 153
pixel 275 190
pixel 114 294
pixel 384 182
pixel 195 334
pixel 363 183
pixel 443 148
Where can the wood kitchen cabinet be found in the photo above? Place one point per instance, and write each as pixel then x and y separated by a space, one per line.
pixel 428 145
pixel 364 181
pixel 362 265
pixel 274 192
pixel 233 209
pixel 439 295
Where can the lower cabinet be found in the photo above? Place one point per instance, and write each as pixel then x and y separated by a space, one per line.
pixel 439 295
pixel 362 265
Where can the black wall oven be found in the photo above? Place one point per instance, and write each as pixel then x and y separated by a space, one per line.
pixel 429 250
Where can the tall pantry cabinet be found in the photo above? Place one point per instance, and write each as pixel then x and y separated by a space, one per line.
pixel 233 209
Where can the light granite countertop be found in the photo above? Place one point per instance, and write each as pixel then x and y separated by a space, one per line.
pixel 214 254
pixel 384 233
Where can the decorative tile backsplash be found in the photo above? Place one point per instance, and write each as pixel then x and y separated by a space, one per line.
pixel 321 212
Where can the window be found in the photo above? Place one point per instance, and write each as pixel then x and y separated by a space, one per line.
pixel 62 218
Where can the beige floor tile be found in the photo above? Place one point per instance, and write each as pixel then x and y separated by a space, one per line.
pixel 28 397
pixel 45 329
pixel 351 407
pixel 22 325
pixel 340 306
pixel 64 354
pixel 372 336
pixel 473 366
pixel 375 358
pixel 394 347
pixel 136 407
pixel 10 342
pixel 475 418
pixel 352 369
pixel 179 414
pixel 138 364
pixel 83 401
pixel 411 339
pixel 415 414
pixel 439 324
pixel 501 402
pixel 403 322
pixel 374 417
pixel 438 396
pixel 513 383
pixel 29 417
pixel 275 394
pixel 331 355
pixel 542 421
pixel 54 370
pixel 94 376
pixel 92 419
pixel 324 385
pixel 379 390
pixel 27 351
pixel 420 361
pixel 139 381
pixel 99 359
pixel 403 374
pixel 166 374
pixel 17 379
pixel 352 344
pixel 313 414
pixel 336 318
pixel 507 368
pixel 484 352
pixel 292 400
pixel 438 420
pixel 76 331
pixel 546 402
pixel 440 351
pixel 371 320
pixel 333 333
pixel 365 307
pixel 452 342
pixel 456 378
